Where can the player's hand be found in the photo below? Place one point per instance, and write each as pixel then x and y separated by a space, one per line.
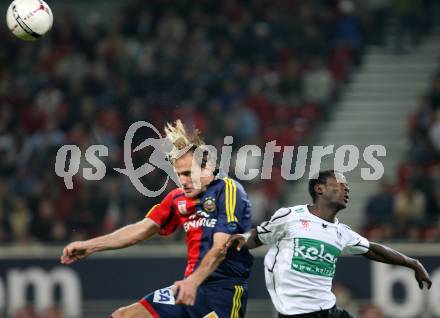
pixel 421 275
pixel 186 291
pixel 238 240
pixel 74 252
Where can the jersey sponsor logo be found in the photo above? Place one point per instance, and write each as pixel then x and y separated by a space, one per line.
pixel 181 205
pixel 200 213
pixel 209 204
pixel 201 222
pixel 314 257
pixel 211 315
pixel 164 296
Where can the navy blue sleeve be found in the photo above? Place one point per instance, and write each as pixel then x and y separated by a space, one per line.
pixel 233 208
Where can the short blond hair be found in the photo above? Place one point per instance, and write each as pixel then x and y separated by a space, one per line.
pixel 181 139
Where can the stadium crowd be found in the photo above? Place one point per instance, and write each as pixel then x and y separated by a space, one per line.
pixel 255 70
pixel 249 70
pixel 410 207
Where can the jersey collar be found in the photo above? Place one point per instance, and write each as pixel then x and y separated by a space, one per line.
pixel 321 220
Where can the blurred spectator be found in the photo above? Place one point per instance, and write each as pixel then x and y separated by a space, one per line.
pixel 434 131
pixel 318 84
pixel 43 221
pixel 348 32
pixel 425 182
pixel 20 219
pixel 5 210
pixel 379 212
pixel 421 119
pixel 408 15
pixel 27 312
pixel 419 125
pixel 244 123
pixel 344 297
pixel 53 312
pixel 409 211
pixel 43 143
pixel 260 205
pixel 371 311
pixel 171 28
pixel 434 96
pixel 379 10
pixel 290 83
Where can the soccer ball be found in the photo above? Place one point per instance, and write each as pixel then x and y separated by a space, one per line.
pixel 29 19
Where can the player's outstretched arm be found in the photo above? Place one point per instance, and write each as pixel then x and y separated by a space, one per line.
pixel 124 237
pixel 249 239
pixel 384 254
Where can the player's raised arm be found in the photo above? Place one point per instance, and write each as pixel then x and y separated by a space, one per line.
pixel 153 223
pixel 124 237
pixel 267 232
pixel 384 254
pixel 249 239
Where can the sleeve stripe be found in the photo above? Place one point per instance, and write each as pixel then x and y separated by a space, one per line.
pixel 234 197
pixel 281 216
pixel 239 301
pixel 228 199
pixel 151 210
pixel 231 199
pixel 236 302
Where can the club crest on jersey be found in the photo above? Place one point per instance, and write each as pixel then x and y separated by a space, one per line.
pixel 305 224
pixel 181 205
pixel 209 204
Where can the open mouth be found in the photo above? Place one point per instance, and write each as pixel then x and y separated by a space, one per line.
pixel 346 198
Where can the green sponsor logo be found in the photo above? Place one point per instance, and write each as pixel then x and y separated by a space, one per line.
pixel 314 257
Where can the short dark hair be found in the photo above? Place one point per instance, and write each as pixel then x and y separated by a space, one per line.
pixel 320 178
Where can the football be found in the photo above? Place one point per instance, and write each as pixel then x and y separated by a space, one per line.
pixel 29 19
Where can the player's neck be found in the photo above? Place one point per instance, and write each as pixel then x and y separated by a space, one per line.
pixel 207 182
pixel 323 211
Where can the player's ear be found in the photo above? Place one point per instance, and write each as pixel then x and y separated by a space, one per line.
pixel 208 168
pixel 319 188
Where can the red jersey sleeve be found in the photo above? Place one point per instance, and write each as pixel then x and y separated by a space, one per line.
pixel 164 215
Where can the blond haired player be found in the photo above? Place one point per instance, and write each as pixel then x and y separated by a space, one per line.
pixel 209 207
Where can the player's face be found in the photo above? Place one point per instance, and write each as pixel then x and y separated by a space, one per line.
pixel 193 179
pixel 336 192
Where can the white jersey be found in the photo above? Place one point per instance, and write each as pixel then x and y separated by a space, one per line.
pixel 301 263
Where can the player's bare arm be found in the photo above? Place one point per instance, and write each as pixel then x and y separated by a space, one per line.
pixel 124 237
pixel 249 239
pixel 384 254
pixel 187 289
